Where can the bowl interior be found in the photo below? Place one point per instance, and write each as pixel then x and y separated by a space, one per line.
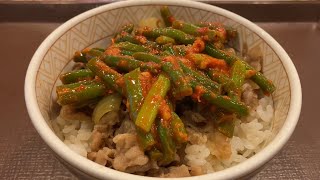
pixel 97 30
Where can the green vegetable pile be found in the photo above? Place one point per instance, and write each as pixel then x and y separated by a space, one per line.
pixel 153 70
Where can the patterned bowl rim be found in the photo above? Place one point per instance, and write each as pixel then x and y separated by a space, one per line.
pixel 98 171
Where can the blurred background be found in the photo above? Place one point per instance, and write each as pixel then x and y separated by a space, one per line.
pixel 25 24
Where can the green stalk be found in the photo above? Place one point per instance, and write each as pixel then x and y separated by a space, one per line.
pixel 76 76
pixel 150 106
pixel 266 85
pixel 166 15
pixel 176 34
pixel 80 92
pixel 111 77
pixel 128 64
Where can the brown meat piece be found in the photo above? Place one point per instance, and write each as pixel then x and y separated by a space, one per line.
pixel 104 130
pixel 127 126
pixel 219 145
pixel 97 141
pixel 196 137
pixel 156 172
pixel 253 56
pixel 92 155
pixel 128 154
pixel 177 171
pixel 194 117
pixel 104 156
pixel 196 171
pixel 139 169
pixel 249 95
pixel 69 113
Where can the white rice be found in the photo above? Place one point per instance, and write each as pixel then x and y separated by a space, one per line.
pixel 249 138
pixel 196 155
pixel 250 135
pixel 74 133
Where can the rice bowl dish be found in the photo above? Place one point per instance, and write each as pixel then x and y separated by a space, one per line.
pixel 212 136
pixel 109 148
